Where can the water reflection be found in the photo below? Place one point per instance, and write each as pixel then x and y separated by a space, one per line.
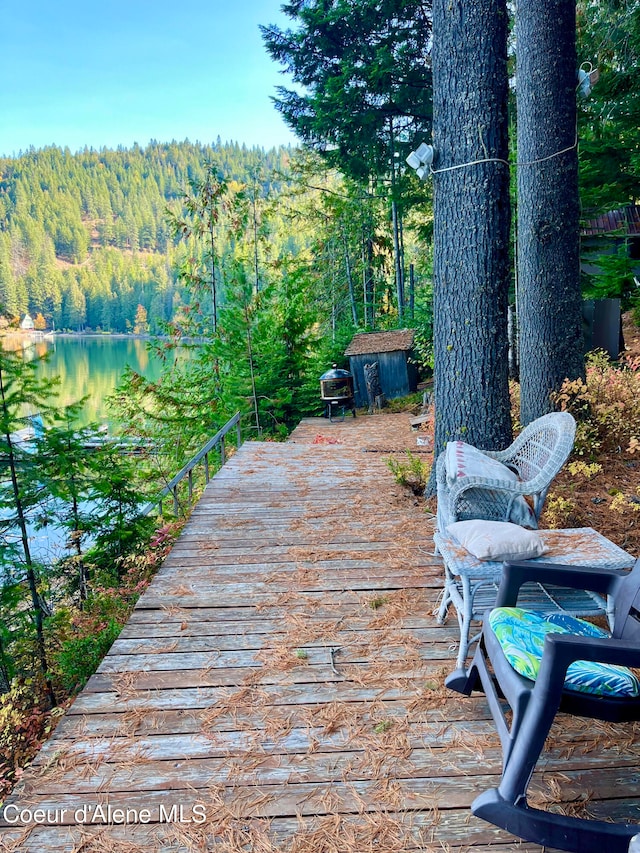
pixel 93 367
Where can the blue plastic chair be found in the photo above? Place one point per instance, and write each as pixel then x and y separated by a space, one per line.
pixel 534 704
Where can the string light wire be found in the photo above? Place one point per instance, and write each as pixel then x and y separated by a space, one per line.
pixel 506 162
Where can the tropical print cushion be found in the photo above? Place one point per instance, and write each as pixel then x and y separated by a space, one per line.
pixel 521 636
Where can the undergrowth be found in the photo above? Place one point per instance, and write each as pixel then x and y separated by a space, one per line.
pixel 599 485
pixel 606 406
pixel 77 641
pixel 412 473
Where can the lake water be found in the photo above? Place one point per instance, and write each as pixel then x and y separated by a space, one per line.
pixel 93 367
pixel 89 367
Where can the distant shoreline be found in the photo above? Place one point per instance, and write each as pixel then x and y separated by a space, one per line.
pixel 38 336
pixel 106 335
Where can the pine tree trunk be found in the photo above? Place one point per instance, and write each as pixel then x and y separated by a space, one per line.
pixel 549 298
pixel 367 282
pixel 30 568
pixel 412 291
pixel 471 223
pixel 399 272
pixel 347 265
pixel 398 260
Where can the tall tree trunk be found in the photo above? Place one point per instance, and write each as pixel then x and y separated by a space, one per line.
pixel 30 570
pixel 395 222
pixel 398 260
pixel 367 281
pixel 412 290
pixel 5 679
pixel 512 329
pixel 401 253
pixel 349 273
pixel 252 374
pixel 471 222
pixel 214 290
pixel 255 238
pixel 549 299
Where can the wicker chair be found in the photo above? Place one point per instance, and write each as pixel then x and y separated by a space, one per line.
pixel 536 456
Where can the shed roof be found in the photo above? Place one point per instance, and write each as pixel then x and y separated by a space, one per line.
pixel 626 220
pixel 365 343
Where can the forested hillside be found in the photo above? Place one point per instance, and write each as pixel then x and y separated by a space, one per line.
pixel 84 238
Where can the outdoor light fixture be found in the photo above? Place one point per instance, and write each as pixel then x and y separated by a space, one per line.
pixel 421 159
pixel 587 78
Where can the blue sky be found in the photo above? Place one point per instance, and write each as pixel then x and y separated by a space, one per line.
pixel 106 74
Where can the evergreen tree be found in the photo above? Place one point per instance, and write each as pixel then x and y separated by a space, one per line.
pixel 21 493
pixel 141 325
pixel 549 298
pixel 359 65
pixel 366 80
pixel 471 223
pixel 205 203
pixel 68 467
pixel 264 350
pixel 116 499
pixel 61 214
pixel 609 46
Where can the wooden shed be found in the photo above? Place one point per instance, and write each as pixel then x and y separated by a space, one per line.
pixel 392 351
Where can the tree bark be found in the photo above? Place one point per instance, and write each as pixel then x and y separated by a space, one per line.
pixel 412 291
pixel 549 299
pixel 395 222
pixel 399 272
pixel 367 282
pixel 349 273
pixel 471 223
pixel 30 568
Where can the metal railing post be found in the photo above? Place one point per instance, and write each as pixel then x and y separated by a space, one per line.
pixel 187 470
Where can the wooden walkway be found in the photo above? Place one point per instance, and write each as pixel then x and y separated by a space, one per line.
pixel 279 687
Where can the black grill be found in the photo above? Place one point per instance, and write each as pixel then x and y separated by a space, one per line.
pixel 336 391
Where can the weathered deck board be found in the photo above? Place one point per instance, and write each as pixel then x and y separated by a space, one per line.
pixel 285 672
pixel 384 831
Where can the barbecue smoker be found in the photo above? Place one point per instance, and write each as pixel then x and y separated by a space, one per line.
pixel 336 391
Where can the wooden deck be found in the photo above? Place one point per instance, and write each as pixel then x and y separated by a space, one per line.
pixel 279 687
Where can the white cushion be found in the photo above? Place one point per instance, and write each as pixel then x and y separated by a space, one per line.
pixel 464 460
pixel 497 540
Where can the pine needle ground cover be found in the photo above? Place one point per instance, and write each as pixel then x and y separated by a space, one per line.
pixel 282 676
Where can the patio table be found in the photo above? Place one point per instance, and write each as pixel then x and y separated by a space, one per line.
pixel 471 584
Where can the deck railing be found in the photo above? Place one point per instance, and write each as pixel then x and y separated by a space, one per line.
pixel 202 456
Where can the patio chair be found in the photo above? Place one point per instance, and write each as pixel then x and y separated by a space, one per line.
pixel 540 668
pixel 493 486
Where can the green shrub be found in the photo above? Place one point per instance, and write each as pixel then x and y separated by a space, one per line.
pixel 79 657
pixel 413 474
